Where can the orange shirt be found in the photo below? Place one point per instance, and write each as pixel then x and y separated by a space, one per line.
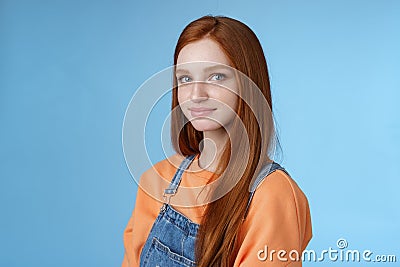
pixel 278 217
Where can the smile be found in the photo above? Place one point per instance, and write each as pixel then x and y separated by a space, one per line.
pixel 195 112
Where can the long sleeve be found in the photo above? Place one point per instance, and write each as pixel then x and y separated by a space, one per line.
pixel 128 238
pixel 278 219
pixel 139 225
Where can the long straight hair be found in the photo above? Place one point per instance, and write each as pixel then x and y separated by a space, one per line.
pixel 216 243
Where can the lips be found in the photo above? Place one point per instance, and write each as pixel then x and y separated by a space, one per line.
pixel 201 111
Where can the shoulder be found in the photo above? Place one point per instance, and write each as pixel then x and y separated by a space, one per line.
pixel 279 197
pixel 278 218
pixel 164 168
pixel 279 185
pixel 280 202
pixel 155 179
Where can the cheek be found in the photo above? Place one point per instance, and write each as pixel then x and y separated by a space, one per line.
pixel 184 100
pixel 182 96
pixel 228 98
pixel 233 101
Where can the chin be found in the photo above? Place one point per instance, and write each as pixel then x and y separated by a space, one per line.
pixel 205 125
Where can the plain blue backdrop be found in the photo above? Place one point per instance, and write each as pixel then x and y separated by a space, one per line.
pixel 68 70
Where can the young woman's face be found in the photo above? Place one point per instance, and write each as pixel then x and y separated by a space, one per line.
pixel 206 85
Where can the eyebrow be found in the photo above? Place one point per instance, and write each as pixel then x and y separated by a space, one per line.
pixel 211 68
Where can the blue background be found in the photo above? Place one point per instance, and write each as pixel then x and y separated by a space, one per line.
pixel 68 70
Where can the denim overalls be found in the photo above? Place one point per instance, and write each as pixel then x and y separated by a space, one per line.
pixel 171 241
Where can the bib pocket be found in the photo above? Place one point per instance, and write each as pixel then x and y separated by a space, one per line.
pixel 161 255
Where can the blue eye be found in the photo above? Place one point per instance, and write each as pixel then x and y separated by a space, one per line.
pixel 217 77
pixel 184 79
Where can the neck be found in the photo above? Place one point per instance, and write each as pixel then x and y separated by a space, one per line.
pixel 213 144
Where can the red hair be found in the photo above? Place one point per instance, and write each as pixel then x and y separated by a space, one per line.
pixel 216 242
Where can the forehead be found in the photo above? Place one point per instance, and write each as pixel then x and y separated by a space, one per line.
pixel 202 50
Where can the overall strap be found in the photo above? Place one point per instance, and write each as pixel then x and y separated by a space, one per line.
pixel 265 171
pixel 173 186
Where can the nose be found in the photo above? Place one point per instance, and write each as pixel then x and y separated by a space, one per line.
pixel 199 92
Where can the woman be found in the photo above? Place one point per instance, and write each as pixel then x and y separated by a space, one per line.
pixel 227 203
